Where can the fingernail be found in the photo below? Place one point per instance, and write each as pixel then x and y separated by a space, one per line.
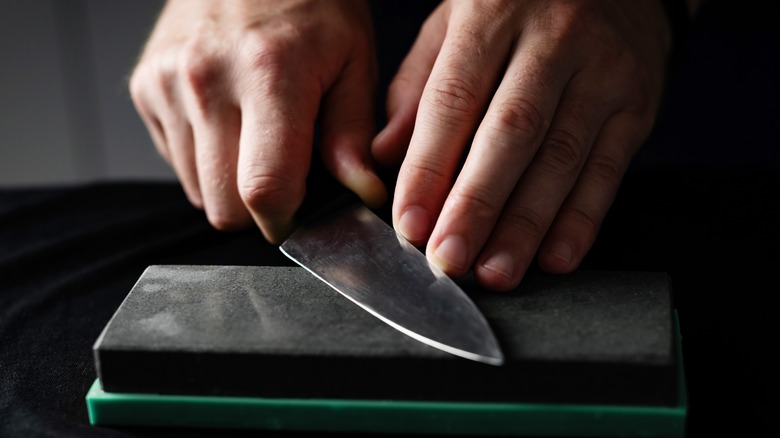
pixel 501 263
pixel 562 251
pixel 368 186
pixel 452 251
pixel 414 224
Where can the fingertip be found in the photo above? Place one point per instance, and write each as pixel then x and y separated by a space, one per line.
pixel 276 231
pixel 193 196
pixel 559 257
pixel 368 186
pixel 499 273
pixel 450 255
pixel 229 220
pixel 414 224
pixel 272 202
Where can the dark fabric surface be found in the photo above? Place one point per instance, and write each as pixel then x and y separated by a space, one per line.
pixel 701 204
pixel 69 256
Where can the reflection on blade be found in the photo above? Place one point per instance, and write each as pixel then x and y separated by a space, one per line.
pixel 364 259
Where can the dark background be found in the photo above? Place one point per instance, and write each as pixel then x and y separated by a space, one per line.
pixel 701 202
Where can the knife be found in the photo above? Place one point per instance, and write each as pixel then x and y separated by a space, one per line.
pixel 351 249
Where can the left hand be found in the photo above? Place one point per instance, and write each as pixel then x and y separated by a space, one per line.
pixel 557 97
pixel 230 92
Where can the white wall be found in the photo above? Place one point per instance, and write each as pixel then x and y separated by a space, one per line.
pixel 65 113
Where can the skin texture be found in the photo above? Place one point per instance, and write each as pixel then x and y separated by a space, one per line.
pixel 557 95
pixel 230 92
pixel 544 102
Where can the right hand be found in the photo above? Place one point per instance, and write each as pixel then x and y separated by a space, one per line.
pixel 230 92
pixel 544 102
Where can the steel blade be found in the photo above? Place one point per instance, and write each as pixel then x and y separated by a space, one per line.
pixel 364 259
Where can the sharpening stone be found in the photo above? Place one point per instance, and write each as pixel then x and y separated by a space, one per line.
pixel 277 333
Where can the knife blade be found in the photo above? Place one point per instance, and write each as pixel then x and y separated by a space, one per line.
pixel 355 252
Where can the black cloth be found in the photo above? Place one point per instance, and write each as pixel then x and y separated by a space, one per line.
pixel 701 203
pixel 70 255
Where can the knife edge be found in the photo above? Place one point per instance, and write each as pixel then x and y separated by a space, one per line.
pixel 496 359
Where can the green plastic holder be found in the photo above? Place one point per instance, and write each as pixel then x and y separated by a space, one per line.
pixel 106 409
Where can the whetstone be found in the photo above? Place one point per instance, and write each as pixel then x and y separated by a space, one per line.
pixel 587 337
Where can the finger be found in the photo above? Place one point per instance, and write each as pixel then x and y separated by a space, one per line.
pixel 277 122
pixel 452 102
pixel 347 127
pixel 138 93
pixel 542 189
pixel 505 143
pixel 157 97
pixel 181 149
pixel 216 134
pixel 406 88
pixel 216 124
pixel 156 132
pixel 579 220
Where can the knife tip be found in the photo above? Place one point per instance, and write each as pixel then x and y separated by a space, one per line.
pixel 496 359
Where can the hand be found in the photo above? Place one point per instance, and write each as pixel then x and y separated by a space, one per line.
pixel 557 96
pixel 230 91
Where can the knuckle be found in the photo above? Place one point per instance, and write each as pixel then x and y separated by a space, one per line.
pixel 201 70
pixel 267 194
pixel 526 221
pixel 266 51
pixel 480 203
pixel 630 87
pixel 455 97
pixel 562 20
pixel 562 151
pixel 582 221
pixel 266 58
pixel 427 171
pixel 607 169
pixel 153 77
pixel 519 118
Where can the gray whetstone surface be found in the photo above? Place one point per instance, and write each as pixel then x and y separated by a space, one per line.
pixel 588 337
